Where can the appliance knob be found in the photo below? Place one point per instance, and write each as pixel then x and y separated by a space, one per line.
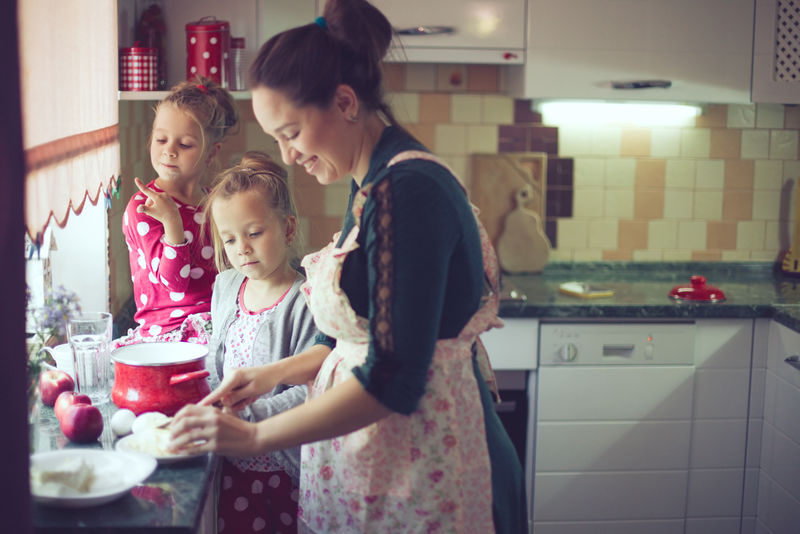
pixel 568 352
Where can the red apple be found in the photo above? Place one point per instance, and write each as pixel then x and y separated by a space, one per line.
pixel 51 383
pixel 82 423
pixel 66 399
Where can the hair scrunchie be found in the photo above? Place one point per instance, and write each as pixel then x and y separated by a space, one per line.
pixel 321 22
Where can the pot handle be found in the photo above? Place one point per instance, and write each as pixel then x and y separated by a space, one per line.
pixel 185 377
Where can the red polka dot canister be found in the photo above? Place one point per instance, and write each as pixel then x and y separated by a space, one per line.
pixel 138 68
pixel 208 43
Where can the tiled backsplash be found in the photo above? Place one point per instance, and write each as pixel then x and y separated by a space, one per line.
pixel 719 191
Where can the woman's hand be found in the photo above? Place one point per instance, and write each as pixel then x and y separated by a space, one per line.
pixel 197 429
pixel 162 208
pixel 242 387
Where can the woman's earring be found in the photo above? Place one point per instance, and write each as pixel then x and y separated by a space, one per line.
pixel 352 118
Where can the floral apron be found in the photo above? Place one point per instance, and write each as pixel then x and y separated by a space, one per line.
pixel 424 472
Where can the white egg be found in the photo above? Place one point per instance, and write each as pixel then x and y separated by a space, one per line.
pixel 122 421
pixel 148 420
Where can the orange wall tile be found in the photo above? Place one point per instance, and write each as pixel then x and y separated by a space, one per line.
pixel 721 235
pixel 650 173
pixel 434 108
pixel 632 235
pixel 725 144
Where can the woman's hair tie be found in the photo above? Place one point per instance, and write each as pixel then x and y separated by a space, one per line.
pixel 202 88
pixel 321 22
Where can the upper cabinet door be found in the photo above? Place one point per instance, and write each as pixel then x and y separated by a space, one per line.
pixel 776 52
pixel 456 31
pixel 581 48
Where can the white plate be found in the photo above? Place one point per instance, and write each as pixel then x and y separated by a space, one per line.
pixel 116 473
pixel 129 444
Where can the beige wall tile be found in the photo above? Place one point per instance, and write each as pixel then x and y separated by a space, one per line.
pixel 750 235
pixel 560 254
pixel 755 144
pixel 772 239
pixel 766 205
pixel 737 205
pixel 650 173
pixel 425 134
pixel 647 255
pixel 588 254
pixel 434 108
pixel 767 174
pixel 680 173
pixel 725 143
pixel 606 141
pixel 710 174
pixel 708 205
pixel 739 175
pixel 483 78
pixel 648 204
pixel 405 107
pixel 573 233
pixel 769 116
pixel 713 116
pixel 574 141
pixel 336 196
pixel 665 143
pixel 588 172
pixel 763 255
pixel 678 204
pixel 662 234
pixel 620 172
pixel 459 165
pixel 791 171
pixel 741 116
pixel 618 203
pixel 735 255
pixel 791 117
pixel 706 255
pixel 465 109
pixel 420 77
pixel 603 234
pixel 587 203
pixel 450 139
pixel 696 143
pixel 482 138
pixel 676 255
pixel 721 235
pixel 692 235
pixel 783 144
pixel 632 235
pixel 497 109
pixel 635 142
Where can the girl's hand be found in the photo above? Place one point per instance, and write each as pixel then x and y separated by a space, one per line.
pixel 197 429
pixel 162 208
pixel 241 387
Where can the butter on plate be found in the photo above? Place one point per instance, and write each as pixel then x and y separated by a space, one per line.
pixel 74 476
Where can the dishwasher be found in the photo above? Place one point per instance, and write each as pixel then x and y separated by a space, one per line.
pixel 613 427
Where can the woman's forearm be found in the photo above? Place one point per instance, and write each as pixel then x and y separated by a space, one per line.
pixel 302 367
pixel 340 410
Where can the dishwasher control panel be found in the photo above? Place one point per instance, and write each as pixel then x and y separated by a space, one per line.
pixel 616 343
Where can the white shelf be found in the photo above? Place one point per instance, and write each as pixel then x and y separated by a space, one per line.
pixel 160 95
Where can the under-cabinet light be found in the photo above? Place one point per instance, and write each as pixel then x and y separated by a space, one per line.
pixel 563 112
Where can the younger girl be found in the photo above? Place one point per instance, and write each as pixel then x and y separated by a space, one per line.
pixel 259 316
pixel 171 266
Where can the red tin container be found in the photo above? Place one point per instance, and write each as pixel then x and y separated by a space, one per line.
pixel 208 44
pixel 138 69
pixel 159 377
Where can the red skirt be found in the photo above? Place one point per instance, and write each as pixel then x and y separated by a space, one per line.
pixel 255 501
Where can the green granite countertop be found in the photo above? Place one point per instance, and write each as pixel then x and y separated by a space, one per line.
pixel 641 291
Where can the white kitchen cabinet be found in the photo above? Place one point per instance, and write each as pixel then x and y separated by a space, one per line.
pixel 577 48
pixel 776 59
pixel 488 31
pixel 641 427
pixel 778 508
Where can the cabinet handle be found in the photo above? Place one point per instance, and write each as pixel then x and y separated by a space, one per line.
pixel 425 30
pixel 794 361
pixel 642 84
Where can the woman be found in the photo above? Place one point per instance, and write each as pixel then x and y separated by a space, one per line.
pixel 399 432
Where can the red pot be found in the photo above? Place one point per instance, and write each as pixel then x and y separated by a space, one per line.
pixel 159 377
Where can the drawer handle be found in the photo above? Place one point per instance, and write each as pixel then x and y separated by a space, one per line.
pixel 642 84
pixel 425 30
pixel 794 361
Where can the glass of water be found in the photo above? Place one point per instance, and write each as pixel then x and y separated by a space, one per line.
pixel 89 336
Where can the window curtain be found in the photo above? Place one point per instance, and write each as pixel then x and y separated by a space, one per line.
pixel 68 71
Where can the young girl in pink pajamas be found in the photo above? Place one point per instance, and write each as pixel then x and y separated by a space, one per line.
pixel 172 262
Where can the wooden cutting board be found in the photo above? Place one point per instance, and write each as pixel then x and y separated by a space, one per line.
pixel 495 180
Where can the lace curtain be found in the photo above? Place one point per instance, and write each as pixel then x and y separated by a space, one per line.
pixel 68 71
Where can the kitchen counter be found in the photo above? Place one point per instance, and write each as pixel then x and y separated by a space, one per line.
pixel 752 290
pixel 171 500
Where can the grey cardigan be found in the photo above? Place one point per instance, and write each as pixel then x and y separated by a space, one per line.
pixel 290 329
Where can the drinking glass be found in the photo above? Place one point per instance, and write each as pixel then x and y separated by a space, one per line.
pixel 89 335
